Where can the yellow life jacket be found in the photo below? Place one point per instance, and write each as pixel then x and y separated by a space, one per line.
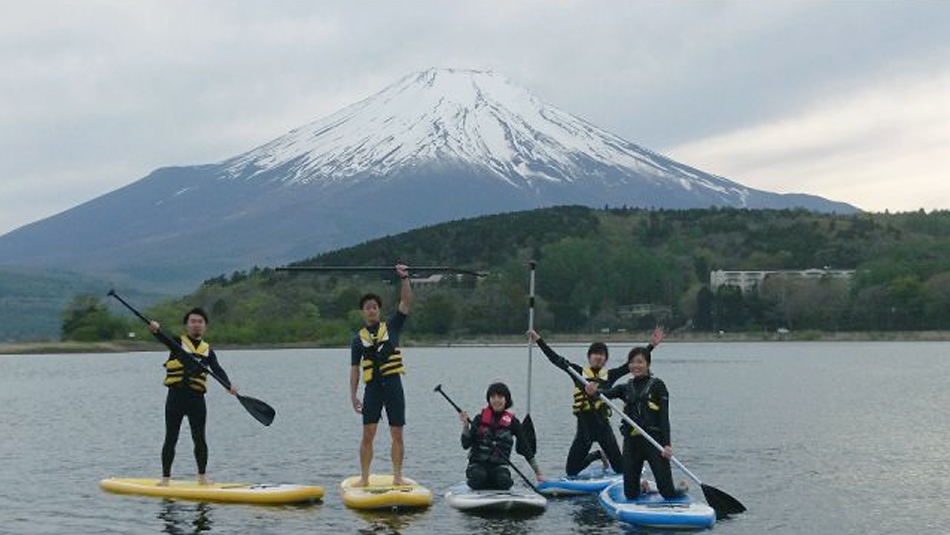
pixel 582 401
pixel 175 371
pixel 380 356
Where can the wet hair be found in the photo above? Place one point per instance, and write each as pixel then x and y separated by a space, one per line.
pixel 598 347
pixel 499 389
pixel 643 351
pixel 371 297
pixel 197 311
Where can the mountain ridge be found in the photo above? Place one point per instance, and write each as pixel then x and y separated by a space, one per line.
pixel 437 145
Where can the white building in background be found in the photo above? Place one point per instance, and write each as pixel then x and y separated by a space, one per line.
pixel 750 281
pixel 431 280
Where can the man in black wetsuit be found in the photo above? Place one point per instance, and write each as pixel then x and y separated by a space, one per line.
pixel 375 359
pixel 593 422
pixel 187 383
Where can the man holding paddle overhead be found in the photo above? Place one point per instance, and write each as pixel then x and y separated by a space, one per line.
pixel 186 380
pixel 375 359
pixel 593 423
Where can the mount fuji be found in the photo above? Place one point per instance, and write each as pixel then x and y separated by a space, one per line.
pixel 437 145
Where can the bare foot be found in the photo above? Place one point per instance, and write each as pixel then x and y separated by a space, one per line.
pixel 683 487
pixel 361 483
pixel 203 479
pixel 399 482
pixel 163 482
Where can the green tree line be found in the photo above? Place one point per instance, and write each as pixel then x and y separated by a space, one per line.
pixel 593 267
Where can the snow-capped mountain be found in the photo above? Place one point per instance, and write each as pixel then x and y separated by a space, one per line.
pixel 474 116
pixel 434 146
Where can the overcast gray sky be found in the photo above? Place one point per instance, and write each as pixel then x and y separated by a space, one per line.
pixel 847 100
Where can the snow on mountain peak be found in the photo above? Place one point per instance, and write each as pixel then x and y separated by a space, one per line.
pixel 476 117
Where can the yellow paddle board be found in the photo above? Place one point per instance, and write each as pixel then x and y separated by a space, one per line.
pixel 382 494
pixel 216 492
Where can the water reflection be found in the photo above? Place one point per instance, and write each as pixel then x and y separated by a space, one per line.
pixel 588 515
pixel 500 523
pixel 185 518
pixel 388 522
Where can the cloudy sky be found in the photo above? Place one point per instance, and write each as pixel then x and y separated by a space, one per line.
pixel 847 100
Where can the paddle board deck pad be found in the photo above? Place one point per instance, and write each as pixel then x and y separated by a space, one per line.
pixel 463 498
pixel 591 480
pixel 382 494
pixel 216 492
pixel 650 509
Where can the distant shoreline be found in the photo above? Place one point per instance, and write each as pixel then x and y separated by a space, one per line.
pixel 53 347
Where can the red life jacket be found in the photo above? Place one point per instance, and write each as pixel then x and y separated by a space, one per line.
pixel 493 442
pixel 485 422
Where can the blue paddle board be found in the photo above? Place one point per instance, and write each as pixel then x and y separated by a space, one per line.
pixel 591 480
pixel 652 510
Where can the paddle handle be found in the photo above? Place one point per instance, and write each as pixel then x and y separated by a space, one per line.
pixel 181 350
pixel 128 306
pixel 438 389
pixel 629 420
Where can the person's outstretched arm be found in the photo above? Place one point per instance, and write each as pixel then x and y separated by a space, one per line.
pixel 405 291
pixel 552 356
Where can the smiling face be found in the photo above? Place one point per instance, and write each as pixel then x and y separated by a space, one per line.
pixel 639 366
pixel 497 402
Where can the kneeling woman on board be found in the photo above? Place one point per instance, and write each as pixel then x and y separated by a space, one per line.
pixel 491 436
pixel 646 402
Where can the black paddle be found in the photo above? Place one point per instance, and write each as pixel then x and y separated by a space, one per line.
pixel 529 434
pixel 447 269
pixel 261 411
pixel 723 503
pixel 438 388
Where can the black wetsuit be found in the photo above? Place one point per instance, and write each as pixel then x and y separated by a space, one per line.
pixel 382 391
pixel 182 400
pixel 592 425
pixel 647 402
pixel 491 451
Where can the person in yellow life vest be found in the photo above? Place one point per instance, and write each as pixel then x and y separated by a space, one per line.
pixel 187 383
pixel 376 362
pixel 593 424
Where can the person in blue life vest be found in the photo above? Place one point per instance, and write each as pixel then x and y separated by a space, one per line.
pixel 376 361
pixel 646 402
pixel 187 383
pixel 593 415
pixel 491 436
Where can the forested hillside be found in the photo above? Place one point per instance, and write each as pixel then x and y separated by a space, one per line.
pixel 609 269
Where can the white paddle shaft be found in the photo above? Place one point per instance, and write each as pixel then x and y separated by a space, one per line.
pixel 630 421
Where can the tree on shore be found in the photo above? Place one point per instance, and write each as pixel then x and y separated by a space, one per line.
pixel 87 319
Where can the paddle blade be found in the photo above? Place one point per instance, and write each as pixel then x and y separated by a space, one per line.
pixel 723 503
pixel 261 411
pixel 529 436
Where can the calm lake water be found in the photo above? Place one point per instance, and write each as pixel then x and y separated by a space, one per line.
pixel 820 437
